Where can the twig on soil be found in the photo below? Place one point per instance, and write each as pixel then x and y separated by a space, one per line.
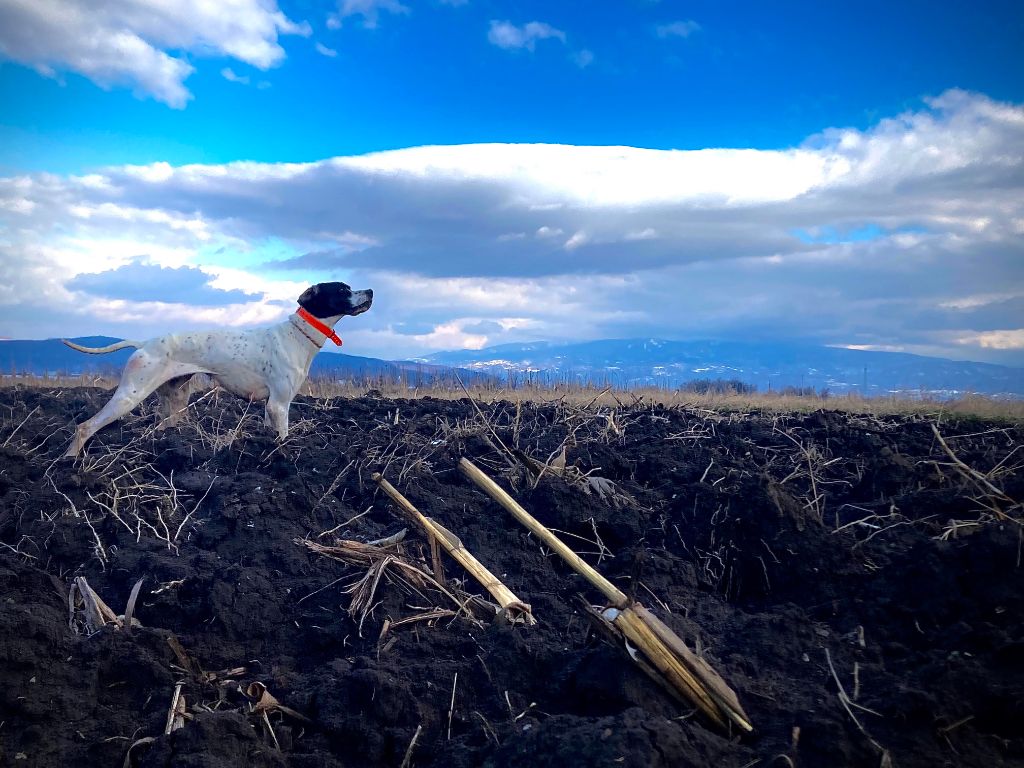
pixel 17 551
pixel 186 662
pixel 437 613
pixel 130 608
pixel 390 541
pixel 177 533
pixel 175 719
pixel 436 566
pixel 488 728
pixel 377 560
pixel 816 499
pixel 486 421
pixel 145 741
pixel 991 495
pixel 264 701
pixel 846 701
pixel 270 730
pixel 451 705
pixel 97 613
pixel 953 726
pixel 334 485
pixel 19 427
pixel 412 745
pixel 347 522
pixel 321 589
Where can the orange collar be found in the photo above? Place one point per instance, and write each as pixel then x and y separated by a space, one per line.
pixel 325 330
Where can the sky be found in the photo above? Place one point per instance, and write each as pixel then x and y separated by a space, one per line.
pixel 842 174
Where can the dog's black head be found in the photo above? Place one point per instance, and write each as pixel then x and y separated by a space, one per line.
pixel 333 299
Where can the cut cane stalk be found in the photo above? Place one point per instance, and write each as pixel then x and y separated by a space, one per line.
pixel 663 649
pixel 513 608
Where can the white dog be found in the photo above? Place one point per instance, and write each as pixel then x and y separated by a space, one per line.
pixel 263 364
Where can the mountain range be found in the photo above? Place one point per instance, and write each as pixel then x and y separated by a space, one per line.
pixel 619 362
pixel 768 366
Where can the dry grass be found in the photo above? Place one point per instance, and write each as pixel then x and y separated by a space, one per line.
pixel 578 395
pixel 574 394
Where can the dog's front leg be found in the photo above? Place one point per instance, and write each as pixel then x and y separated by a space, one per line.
pixel 277 416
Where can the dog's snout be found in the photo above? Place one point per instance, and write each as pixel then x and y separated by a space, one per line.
pixel 361 301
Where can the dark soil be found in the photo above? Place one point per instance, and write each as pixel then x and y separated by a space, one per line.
pixel 772 544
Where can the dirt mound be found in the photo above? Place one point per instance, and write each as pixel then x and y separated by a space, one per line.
pixel 797 553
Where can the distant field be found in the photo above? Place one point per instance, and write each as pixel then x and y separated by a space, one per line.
pixel 608 397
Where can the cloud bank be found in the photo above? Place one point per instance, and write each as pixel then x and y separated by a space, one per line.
pixel 907 235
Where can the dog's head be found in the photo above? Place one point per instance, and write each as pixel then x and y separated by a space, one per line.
pixel 334 299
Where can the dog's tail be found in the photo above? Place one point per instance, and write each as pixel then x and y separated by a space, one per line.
pixel 104 350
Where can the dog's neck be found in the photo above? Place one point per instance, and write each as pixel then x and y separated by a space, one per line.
pixel 313 334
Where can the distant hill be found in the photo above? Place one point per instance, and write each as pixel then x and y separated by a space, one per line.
pixel 51 356
pixel 645 362
pixel 620 362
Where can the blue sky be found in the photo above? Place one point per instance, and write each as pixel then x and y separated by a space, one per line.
pixel 866 192
pixel 760 75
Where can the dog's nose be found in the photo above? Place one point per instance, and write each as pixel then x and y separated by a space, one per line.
pixel 369 293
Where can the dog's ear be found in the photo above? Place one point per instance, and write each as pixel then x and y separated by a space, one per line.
pixel 315 300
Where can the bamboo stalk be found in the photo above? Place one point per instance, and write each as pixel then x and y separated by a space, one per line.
pixel 667 653
pixel 513 607
pixel 581 566
pixel 643 637
pixel 612 634
pixel 724 696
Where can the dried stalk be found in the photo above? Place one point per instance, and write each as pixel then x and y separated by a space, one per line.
pixel 993 493
pixel 514 608
pixel 176 712
pixel 846 701
pixel 376 560
pixel 407 760
pixel 697 682
pixel 19 427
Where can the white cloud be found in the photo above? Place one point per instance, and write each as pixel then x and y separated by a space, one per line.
pixel 578 239
pixel 1003 339
pixel 681 29
pixel 324 50
pixel 138 43
pixel 507 35
pixel 856 237
pixel 546 231
pixel 229 74
pixel 369 10
pixel 583 58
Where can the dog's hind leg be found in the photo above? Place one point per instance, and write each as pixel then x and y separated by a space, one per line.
pixel 122 402
pixel 173 395
pixel 142 375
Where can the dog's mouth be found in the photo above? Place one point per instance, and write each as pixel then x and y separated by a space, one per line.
pixel 363 305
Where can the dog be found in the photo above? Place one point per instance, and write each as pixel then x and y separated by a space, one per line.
pixel 262 364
